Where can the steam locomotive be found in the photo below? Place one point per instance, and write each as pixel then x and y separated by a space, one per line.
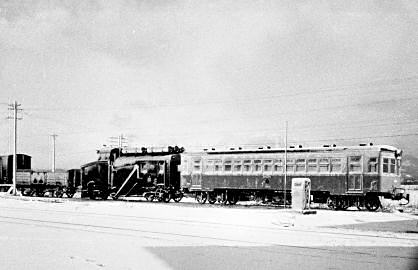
pixel 151 174
pixel 340 176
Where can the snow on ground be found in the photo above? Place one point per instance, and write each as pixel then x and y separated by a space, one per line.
pixel 217 214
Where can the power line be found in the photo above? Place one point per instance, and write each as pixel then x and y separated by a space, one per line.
pixel 249 99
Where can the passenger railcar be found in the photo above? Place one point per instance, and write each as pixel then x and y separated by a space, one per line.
pixel 340 176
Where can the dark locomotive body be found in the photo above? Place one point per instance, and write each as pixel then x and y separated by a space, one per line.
pixel 340 176
pixel 117 172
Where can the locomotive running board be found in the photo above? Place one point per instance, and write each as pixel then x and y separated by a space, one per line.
pixel 136 168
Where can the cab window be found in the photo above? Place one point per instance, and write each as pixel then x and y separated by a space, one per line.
pixel 372 165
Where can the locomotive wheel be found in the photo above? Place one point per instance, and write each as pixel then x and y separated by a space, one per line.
pixel 69 194
pixel 104 195
pixel 372 203
pixel 149 197
pixel 166 197
pixel 178 196
pixel 201 197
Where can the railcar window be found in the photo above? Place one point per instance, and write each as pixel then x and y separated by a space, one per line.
pixel 247 165
pixel 372 165
pixel 268 165
pixel 300 165
pixel 392 165
pixel 228 165
pixel 324 165
pixel 257 165
pixel 237 165
pixel 385 165
pixel 278 165
pixel 355 164
pixel 218 165
pixel 312 165
pixel 209 167
pixel 290 166
pixel 336 165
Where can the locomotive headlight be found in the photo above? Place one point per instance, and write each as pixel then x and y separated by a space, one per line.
pixel 395 181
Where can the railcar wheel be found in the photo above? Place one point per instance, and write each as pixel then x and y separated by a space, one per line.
pixel 331 203
pixel 233 199
pixel 59 193
pixel 201 197
pixel 360 205
pixel 211 198
pixel 341 204
pixel 372 203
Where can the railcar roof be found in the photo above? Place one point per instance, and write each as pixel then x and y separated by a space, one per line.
pixel 299 150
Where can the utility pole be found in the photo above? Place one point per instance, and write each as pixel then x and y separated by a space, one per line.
pixel 53 136
pixel 14 107
pixel 285 166
pixel 121 141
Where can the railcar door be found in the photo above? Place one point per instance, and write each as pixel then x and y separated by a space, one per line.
pixel 196 173
pixel 355 174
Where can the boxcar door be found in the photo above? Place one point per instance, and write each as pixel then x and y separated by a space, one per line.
pixel 355 174
pixel 196 173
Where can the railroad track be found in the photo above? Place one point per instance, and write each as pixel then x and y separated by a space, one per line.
pixel 326 231
pixel 166 235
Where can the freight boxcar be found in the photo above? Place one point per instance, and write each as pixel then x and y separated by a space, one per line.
pixel 39 183
pixel 23 162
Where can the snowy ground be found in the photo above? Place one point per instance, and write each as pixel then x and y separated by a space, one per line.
pixel 67 234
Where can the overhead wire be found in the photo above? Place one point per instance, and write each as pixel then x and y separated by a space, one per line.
pixel 238 99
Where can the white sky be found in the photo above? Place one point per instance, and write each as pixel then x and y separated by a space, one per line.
pixel 204 73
